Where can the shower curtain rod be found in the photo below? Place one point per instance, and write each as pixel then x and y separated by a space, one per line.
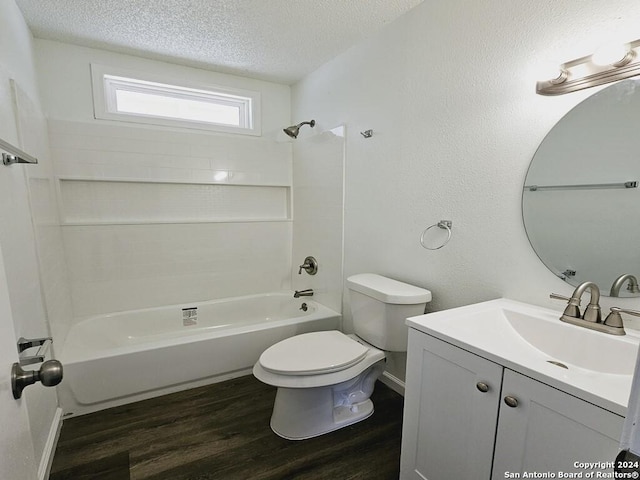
pixel 14 154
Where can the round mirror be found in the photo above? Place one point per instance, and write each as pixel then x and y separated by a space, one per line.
pixel 581 197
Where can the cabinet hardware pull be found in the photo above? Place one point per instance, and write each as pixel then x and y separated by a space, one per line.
pixel 483 387
pixel 511 401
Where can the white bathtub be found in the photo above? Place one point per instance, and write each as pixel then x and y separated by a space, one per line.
pixel 124 357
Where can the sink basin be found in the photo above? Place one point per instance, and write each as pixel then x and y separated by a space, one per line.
pixel 579 346
pixel 532 340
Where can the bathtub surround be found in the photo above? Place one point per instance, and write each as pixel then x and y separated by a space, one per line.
pixel 318 191
pixel 151 217
pixel 158 216
pixel 155 216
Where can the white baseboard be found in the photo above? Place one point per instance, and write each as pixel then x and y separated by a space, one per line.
pixel 393 382
pixel 50 447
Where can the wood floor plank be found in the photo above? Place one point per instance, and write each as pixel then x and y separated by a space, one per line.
pixel 113 467
pixel 222 431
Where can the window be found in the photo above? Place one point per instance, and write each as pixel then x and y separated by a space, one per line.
pixel 119 97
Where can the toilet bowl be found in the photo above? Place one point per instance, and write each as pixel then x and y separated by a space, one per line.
pixel 326 388
pixel 325 379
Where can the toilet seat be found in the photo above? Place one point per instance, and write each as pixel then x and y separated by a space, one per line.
pixel 372 356
pixel 313 353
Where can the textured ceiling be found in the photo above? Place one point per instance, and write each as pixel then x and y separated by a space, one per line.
pixel 276 40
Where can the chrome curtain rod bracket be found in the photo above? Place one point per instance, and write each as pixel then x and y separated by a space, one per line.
pixel 15 155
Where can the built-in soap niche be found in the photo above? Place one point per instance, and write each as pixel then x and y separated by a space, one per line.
pixel 113 202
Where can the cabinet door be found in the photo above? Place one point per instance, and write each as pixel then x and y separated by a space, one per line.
pixel 549 430
pixel 449 423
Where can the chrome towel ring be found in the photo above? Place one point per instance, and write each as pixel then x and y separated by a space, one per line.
pixel 445 225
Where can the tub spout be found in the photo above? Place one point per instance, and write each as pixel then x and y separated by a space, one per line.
pixel 303 293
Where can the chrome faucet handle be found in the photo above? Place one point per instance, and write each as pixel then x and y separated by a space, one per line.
pixel 310 266
pixel 614 319
pixel 572 309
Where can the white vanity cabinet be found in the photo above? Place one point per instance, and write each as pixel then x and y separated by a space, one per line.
pixel 449 424
pixel 458 425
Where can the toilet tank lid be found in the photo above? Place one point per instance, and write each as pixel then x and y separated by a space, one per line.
pixel 387 290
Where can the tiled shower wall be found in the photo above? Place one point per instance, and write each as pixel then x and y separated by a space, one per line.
pixel 153 217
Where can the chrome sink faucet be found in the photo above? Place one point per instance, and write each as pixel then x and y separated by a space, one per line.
pixel 591 313
pixel 592 318
pixel 619 282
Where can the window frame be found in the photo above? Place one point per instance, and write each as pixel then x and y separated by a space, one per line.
pixel 106 80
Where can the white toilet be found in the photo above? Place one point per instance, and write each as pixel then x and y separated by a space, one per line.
pixel 325 379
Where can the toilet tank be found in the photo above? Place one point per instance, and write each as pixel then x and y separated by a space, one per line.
pixel 380 306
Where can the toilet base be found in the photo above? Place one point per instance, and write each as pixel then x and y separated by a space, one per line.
pixel 301 413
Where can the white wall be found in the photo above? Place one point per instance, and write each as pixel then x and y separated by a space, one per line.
pixel 449 90
pixel 210 241
pixel 66 83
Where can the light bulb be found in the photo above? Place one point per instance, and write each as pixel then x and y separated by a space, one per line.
pixel 552 73
pixel 615 54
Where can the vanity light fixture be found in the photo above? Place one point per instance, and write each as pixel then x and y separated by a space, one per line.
pixel 608 64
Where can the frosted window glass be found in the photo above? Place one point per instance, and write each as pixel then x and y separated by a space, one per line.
pixel 156 105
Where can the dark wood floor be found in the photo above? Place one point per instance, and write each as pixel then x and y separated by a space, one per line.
pixel 222 432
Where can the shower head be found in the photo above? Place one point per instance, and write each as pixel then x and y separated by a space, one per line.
pixel 293 130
